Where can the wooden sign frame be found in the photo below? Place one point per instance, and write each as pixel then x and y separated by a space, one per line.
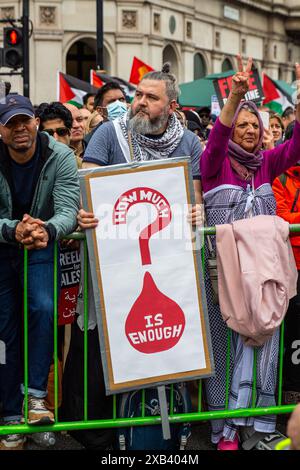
pixel 86 176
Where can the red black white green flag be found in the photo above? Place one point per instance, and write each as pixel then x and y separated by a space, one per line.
pixel 72 90
pixel 99 79
pixel 276 97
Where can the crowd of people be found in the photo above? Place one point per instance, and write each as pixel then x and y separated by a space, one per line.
pixel 240 169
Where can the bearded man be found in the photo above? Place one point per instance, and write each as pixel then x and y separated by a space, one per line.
pixel 154 129
pixel 155 133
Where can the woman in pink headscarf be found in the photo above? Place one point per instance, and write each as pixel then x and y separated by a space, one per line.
pixel 237 177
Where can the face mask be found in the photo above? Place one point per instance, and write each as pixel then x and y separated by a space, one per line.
pixel 116 109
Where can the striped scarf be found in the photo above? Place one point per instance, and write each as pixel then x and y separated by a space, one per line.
pixel 151 148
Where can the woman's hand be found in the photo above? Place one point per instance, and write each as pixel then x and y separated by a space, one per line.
pixel 268 140
pixel 86 220
pixel 239 87
pixel 240 81
pixel 196 215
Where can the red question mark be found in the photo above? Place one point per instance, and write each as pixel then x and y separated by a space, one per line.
pixel 155 322
pixel 143 195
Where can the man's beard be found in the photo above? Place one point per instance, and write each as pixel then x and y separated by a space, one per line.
pixel 146 126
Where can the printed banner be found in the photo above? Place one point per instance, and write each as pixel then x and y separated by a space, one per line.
pixel 215 106
pixel 147 277
pixel 70 278
pixel 255 93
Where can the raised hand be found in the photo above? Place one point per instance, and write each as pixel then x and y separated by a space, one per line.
pixel 268 140
pixel 240 81
pixel 240 86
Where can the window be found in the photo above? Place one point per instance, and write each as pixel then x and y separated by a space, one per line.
pixel 199 66
pixel 80 59
pixel 189 30
pixel 266 51
pixel 226 65
pixel 156 22
pixel 244 46
pixel 169 55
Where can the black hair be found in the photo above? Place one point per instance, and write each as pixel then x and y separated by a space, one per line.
pixel 103 90
pixel 203 110
pixel 289 131
pixel 7 88
pixel 288 112
pixel 54 110
pixel 191 115
pixel 86 97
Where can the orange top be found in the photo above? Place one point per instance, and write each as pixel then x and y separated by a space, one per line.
pixel 287 193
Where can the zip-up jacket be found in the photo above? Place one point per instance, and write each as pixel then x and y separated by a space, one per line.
pixel 287 193
pixel 56 197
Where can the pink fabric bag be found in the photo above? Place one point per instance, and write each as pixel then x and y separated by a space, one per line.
pixel 257 275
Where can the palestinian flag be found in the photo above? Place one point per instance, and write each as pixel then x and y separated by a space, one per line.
pixel 277 95
pixel 138 70
pixel 99 79
pixel 72 90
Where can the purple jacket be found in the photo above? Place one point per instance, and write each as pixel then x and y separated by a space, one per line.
pixel 215 167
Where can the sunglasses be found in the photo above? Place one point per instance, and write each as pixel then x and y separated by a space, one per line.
pixel 60 131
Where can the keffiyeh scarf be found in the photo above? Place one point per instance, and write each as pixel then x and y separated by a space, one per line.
pixel 148 148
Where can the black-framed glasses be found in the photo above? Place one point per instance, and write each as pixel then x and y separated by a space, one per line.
pixel 60 131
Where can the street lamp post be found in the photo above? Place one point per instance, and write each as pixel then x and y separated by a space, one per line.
pixel 99 50
pixel 25 22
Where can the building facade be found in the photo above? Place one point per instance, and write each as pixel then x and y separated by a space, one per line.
pixel 197 36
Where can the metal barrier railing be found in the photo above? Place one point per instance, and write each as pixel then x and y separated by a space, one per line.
pixel 115 421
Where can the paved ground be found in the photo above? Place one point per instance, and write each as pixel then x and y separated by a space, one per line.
pixel 199 440
pixel 63 442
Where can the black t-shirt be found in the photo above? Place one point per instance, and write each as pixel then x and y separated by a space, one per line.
pixel 24 178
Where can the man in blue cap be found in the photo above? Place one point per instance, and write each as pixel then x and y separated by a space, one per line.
pixel 39 200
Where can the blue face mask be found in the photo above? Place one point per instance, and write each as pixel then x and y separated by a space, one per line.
pixel 116 109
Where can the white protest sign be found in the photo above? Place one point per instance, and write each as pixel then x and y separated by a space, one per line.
pixel 152 317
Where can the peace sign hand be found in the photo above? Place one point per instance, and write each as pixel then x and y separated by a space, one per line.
pixel 240 81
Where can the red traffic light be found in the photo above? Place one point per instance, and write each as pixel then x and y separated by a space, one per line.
pixel 13 47
pixel 13 36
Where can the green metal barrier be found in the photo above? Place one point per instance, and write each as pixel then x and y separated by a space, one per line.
pixel 115 421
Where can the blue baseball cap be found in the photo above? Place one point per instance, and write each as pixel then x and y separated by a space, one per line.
pixel 13 105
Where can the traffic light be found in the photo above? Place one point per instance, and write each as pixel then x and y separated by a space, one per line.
pixel 12 47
